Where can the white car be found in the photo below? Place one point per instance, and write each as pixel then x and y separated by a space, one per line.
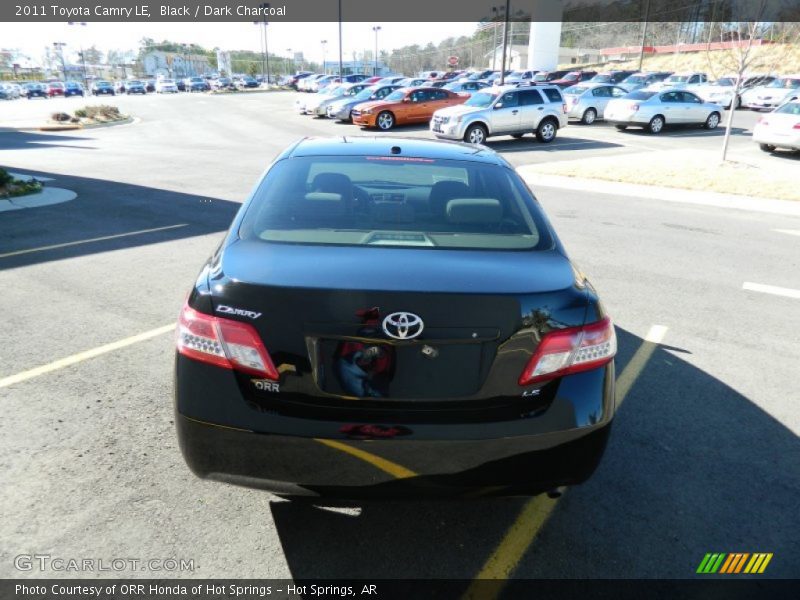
pixel 780 128
pixel 721 91
pixel 166 86
pixel 653 110
pixel 679 81
pixel 587 101
pixel 783 89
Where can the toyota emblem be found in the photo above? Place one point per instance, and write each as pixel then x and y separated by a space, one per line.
pixel 402 325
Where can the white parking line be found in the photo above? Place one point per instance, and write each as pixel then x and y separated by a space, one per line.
pixel 771 289
pixel 97 239
pixel 788 231
pixel 82 356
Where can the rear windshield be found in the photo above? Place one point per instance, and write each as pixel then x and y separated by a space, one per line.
pixel 640 95
pixel 395 201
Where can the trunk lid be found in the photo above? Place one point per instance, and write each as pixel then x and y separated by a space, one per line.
pixel 322 311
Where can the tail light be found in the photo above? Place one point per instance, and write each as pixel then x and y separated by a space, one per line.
pixel 566 351
pixel 223 343
pixel 796 126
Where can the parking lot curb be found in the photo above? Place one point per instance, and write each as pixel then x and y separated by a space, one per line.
pixel 666 194
pixel 47 197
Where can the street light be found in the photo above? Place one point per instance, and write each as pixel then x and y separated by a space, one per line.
pixel 324 43
pixel 376 29
pixel 83 57
pixel 265 11
pixel 261 45
pixel 59 46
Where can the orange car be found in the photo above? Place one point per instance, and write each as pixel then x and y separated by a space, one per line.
pixel 406 105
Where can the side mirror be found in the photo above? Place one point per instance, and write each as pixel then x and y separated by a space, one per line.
pixel 498 105
pixel 406 99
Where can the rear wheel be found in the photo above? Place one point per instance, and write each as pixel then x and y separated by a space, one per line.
pixel 475 134
pixel 546 132
pixel 767 147
pixel 385 120
pixel 589 116
pixel 656 124
pixel 712 121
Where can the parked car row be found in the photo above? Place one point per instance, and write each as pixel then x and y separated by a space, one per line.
pixel 466 106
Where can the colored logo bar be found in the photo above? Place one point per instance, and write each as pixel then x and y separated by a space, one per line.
pixel 733 563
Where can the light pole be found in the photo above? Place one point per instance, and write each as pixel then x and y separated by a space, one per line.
pixel 59 46
pixel 341 74
pixel 265 7
pixel 290 63
pixel 376 29
pixel 83 57
pixel 261 42
pixel 505 44
pixel 324 44
pixel 494 38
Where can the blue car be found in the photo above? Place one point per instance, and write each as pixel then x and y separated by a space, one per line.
pixel 73 88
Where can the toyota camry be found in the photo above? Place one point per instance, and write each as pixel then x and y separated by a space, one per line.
pixel 393 317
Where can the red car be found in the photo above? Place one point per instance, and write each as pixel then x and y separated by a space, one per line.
pixel 56 88
pixel 573 78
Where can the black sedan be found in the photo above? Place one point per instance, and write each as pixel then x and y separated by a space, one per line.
pixel 37 90
pixel 393 317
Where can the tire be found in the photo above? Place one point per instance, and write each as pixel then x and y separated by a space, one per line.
pixel 712 121
pixel 475 134
pixel 656 124
pixel 385 121
pixel 589 116
pixel 546 131
pixel 767 147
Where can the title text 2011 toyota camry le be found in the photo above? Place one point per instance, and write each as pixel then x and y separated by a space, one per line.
pixel 393 317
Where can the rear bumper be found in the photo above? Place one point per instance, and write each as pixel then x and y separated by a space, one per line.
pixel 223 438
pixel 351 469
pixel 779 141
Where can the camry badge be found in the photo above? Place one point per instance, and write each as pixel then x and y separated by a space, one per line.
pixel 402 325
pixel 229 310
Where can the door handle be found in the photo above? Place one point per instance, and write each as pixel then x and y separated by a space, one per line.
pixel 513 112
pixel 540 108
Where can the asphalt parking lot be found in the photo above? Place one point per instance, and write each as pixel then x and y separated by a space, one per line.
pixel 704 456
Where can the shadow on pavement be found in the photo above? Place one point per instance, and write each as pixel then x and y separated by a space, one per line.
pixel 529 143
pixel 27 140
pixel 106 208
pixel 686 131
pixel 692 467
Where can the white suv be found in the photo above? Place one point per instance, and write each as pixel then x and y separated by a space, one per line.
pixel 506 110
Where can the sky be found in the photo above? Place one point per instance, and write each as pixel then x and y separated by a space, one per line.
pixel 32 38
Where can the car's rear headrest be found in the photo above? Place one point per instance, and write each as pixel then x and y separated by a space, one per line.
pixel 474 210
pixel 322 204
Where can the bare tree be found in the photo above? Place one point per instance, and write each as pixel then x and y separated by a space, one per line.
pixel 736 49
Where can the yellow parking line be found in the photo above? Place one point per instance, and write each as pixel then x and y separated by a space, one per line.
pixel 536 511
pixel 387 466
pixel 82 356
pixel 89 241
pixel 637 363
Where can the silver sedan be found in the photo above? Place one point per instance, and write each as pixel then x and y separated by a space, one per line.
pixel 653 110
pixel 587 101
